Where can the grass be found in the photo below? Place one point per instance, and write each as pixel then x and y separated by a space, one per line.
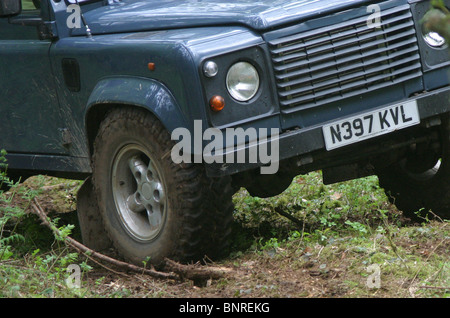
pixel 313 240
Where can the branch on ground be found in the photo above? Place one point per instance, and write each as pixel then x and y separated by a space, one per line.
pixel 179 271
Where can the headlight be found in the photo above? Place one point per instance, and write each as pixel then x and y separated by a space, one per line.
pixel 433 39
pixel 242 81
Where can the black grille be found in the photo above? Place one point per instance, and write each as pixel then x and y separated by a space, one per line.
pixel 327 64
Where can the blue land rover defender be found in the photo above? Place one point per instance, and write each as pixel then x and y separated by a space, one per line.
pixel 96 90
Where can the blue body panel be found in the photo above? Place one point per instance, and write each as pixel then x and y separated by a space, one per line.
pixel 140 92
pixel 134 16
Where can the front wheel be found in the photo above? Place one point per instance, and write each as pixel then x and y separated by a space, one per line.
pixel 151 207
pixel 422 187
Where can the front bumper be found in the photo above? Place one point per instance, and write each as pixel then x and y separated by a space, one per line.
pixel 301 143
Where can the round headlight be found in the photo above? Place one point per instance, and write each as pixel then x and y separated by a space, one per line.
pixel 433 39
pixel 242 81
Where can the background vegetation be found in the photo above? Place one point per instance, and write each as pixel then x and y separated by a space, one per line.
pixel 438 19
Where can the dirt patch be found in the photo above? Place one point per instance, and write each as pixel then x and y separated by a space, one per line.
pixel 279 274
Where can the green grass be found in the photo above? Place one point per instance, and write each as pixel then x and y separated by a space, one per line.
pixel 28 5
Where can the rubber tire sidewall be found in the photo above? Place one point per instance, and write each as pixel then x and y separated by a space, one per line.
pixel 431 191
pixel 111 140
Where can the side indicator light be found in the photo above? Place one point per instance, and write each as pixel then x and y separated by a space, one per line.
pixel 217 103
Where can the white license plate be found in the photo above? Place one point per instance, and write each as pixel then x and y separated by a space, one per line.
pixel 371 124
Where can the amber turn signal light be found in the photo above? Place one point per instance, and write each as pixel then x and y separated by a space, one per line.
pixel 217 103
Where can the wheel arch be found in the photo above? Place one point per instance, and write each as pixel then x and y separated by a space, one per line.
pixel 147 94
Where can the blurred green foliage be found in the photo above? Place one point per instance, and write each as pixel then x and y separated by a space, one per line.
pixel 437 19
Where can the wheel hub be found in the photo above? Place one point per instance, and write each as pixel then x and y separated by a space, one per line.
pixel 139 193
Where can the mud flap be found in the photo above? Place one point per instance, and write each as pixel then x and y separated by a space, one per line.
pixel 91 225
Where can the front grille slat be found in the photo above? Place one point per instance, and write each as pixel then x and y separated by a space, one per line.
pixel 404 9
pixel 380 51
pixel 327 64
pixel 322 71
pixel 290 110
pixel 344 51
pixel 349 77
pixel 360 83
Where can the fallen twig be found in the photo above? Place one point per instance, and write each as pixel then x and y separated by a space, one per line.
pixel 434 287
pixel 196 273
pixel 93 254
pixel 59 186
pixel 288 216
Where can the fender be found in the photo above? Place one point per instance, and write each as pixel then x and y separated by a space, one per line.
pixel 141 92
pixel 146 93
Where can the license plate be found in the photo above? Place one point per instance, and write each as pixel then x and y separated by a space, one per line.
pixel 371 124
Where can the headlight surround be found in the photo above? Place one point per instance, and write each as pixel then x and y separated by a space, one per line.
pixel 242 81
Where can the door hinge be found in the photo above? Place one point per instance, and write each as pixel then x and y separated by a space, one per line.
pixel 51 30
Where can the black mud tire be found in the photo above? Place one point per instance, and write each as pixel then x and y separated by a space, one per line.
pixel 195 211
pixel 417 193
